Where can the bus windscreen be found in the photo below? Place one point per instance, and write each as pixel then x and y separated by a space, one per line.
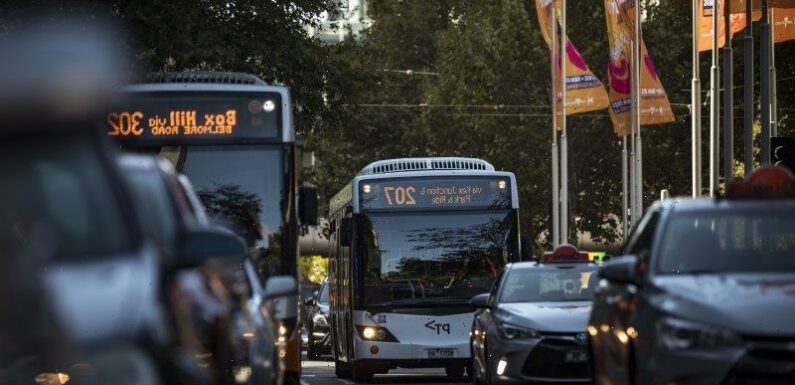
pixel 436 193
pixel 167 118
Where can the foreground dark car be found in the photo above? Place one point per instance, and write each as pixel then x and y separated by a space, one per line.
pixel 705 293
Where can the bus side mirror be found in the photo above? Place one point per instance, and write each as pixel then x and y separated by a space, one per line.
pixel 307 205
pixel 346 228
pixel 526 248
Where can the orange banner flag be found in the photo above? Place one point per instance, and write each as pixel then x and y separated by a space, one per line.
pixel 783 25
pixel 738 6
pixel 584 91
pixel 705 12
pixel 655 108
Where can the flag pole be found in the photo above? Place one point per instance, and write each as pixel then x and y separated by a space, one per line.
pixel 748 89
pixel 764 83
pixel 714 105
pixel 728 97
pixel 624 200
pixel 773 91
pixel 638 97
pixel 564 155
pixel 555 165
pixel 695 109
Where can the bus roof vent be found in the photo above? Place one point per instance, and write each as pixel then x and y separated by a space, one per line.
pixel 425 164
pixel 207 77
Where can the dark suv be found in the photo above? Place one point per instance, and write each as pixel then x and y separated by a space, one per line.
pixel 705 293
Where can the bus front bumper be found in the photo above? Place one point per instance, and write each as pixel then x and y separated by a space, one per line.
pixel 416 355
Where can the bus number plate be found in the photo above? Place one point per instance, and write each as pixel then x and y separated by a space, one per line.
pixel 441 353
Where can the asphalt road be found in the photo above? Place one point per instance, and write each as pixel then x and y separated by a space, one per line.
pixel 322 373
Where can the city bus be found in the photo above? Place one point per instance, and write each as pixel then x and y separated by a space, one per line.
pixel 232 135
pixel 411 242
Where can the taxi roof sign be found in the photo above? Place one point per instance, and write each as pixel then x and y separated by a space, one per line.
pixel 769 182
pixel 565 253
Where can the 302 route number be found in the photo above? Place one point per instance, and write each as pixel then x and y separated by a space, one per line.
pixel 125 123
pixel 400 195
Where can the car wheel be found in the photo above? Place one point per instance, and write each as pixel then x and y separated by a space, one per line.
pixel 360 373
pixel 341 369
pixel 311 349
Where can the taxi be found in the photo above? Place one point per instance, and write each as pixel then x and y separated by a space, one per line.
pixel 705 293
pixel 531 328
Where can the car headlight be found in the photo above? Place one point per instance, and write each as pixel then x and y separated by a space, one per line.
pixel 676 334
pixel 375 333
pixel 320 320
pixel 512 332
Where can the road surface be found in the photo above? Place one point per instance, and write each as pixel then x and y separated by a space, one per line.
pixel 322 373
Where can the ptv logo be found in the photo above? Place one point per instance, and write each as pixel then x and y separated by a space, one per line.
pixel 439 328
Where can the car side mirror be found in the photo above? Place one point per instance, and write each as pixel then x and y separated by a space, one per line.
pixel 309 302
pixel 280 286
pixel 346 229
pixel 620 270
pixel 199 245
pixel 480 301
pixel 526 248
pixel 307 209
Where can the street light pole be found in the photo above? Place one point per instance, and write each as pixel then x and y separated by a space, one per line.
pixel 695 109
pixel 728 95
pixel 714 109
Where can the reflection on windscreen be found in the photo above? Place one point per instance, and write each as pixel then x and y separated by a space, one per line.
pixel 762 240
pixel 549 285
pixel 242 186
pixel 411 257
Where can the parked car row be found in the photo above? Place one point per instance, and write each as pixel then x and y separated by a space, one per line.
pixel 112 272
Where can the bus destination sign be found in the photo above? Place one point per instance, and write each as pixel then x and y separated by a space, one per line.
pixel 436 193
pixel 176 118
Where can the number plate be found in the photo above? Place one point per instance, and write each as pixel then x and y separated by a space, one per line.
pixel 441 353
pixel 576 356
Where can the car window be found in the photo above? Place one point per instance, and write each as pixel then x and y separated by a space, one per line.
pixel 642 239
pixel 323 295
pixel 58 196
pixel 549 284
pixel 155 208
pixel 759 240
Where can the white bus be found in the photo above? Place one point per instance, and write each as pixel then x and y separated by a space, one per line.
pixel 412 241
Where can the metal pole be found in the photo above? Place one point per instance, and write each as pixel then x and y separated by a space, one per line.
pixel 555 169
pixel 764 84
pixel 728 98
pixel 624 200
pixel 564 150
pixel 714 106
pixel 748 88
pixel 638 110
pixel 695 109
pixel 773 91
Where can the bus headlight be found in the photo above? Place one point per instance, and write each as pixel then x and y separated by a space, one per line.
pixel 375 333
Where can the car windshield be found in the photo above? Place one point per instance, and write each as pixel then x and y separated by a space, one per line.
pixel 57 198
pixel 416 257
pixel 555 284
pixel 762 240
pixel 323 295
